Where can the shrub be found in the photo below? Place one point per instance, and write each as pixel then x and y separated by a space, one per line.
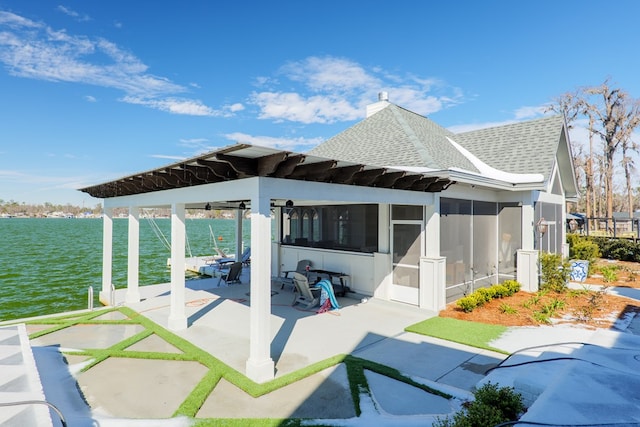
pixel 619 249
pixel 573 239
pixel 491 406
pixel 609 273
pixel 555 272
pixel 483 295
pixel 499 291
pixel 507 309
pixel 512 286
pixel 541 317
pixel 468 303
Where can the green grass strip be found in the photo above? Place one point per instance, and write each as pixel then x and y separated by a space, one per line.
pixel 194 401
pixel 473 334
pixel 250 422
pixel 217 369
pixel 62 322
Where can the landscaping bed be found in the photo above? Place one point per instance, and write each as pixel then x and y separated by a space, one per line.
pixel 593 309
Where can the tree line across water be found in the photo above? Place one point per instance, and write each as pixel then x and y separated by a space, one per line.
pixel 25 210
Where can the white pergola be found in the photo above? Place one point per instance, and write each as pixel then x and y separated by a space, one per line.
pixel 262 178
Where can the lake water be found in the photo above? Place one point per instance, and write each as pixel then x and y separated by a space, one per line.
pixel 48 264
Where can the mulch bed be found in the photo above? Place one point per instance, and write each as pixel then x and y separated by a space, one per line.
pixel 590 309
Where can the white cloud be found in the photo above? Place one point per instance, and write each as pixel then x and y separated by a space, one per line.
pixel 530 112
pixel 291 144
pixel 197 145
pixel 175 106
pixel 234 107
pixel 90 98
pixel 328 89
pixel 520 114
pixel 329 74
pixel 75 15
pixel 167 156
pixel 33 50
pixel 294 107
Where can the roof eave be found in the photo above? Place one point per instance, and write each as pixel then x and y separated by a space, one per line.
pixel 494 184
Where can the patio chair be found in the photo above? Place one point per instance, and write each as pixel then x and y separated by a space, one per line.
pixel 287 276
pixel 245 258
pixel 232 275
pixel 303 294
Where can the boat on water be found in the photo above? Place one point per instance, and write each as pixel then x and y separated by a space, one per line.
pixel 205 265
pixel 213 265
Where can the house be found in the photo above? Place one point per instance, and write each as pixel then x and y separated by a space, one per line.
pixel 406 210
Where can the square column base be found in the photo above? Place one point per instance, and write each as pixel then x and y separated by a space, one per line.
pixel 260 371
pixel 528 269
pixel 177 323
pixel 105 298
pixel 132 297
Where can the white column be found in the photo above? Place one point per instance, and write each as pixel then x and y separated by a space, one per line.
pixel 432 265
pixel 260 366
pixel 527 274
pixel 239 248
pixel 384 229
pixel 528 227
pixel 107 255
pixel 133 268
pixel 432 229
pixel 432 283
pixel 382 258
pixel 177 316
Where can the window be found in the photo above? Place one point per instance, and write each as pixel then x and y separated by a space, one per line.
pixel 294 225
pixel 343 227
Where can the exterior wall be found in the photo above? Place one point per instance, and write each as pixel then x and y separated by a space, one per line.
pixel 359 266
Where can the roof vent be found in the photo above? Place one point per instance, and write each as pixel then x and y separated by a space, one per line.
pixel 383 101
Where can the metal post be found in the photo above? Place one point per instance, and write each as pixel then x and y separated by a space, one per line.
pixel 90 299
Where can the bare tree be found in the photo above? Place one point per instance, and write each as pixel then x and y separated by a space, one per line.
pixel 572 106
pixel 612 117
pixel 618 116
pixel 628 148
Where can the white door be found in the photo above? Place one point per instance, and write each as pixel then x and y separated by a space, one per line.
pixel 406 247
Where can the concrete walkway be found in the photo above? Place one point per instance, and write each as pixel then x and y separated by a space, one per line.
pixel 125 387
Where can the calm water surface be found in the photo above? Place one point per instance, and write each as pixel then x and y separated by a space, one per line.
pixel 48 264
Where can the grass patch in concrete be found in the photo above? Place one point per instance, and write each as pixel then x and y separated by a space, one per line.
pixel 473 334
pixel 217 369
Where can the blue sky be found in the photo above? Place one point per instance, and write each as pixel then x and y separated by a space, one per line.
pixel 95 90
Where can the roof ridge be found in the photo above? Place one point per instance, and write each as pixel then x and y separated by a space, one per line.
pixel 413 138
pixel 514 124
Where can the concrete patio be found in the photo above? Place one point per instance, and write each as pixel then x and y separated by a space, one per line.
pixel 126 389
pixel 218 324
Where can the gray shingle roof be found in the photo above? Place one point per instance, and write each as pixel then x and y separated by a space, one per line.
pixel 525 147
pixel 395 136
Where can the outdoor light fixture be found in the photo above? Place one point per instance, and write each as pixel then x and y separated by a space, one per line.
pixel 542 227
pixel 289 204
pixel 242 205
pixel 207 207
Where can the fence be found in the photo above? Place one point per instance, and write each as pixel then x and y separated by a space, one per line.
pixel 624 228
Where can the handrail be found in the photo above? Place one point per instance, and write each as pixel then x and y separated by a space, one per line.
pixel 38 402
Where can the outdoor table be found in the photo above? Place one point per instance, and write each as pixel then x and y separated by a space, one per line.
pixel 342 278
